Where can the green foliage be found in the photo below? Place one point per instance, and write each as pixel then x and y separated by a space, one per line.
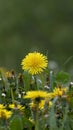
pixel 52 120
pixel 27 80
pixel 16 123
pixel 63 77
pixel 57 116
pixel 20 123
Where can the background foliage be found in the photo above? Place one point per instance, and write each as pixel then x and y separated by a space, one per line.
pixel 27 25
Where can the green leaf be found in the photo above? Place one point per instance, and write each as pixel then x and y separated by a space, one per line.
pixel 63 77
pixel 52 120
pixel 27 78
pixel 27 123
pixel 16 123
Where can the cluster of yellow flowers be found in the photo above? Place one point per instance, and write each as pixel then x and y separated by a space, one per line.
pixel 31 97
pixel 43 97
pixel 4 114
pixel 35 63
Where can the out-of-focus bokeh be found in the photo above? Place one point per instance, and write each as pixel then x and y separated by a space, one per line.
pixel 42 25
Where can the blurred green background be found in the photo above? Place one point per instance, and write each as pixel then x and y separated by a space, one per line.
pixel 29 25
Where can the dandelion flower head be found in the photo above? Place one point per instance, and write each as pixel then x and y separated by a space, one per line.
pixel 34 63
pixel 2 106
pixel 16 106
pixel 36 94
pixel 5 113
pixel 60 91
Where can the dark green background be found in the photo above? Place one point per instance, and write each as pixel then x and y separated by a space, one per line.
pixel 43 25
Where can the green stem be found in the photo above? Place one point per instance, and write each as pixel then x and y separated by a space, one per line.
pixel 12 95
pixel 51 80
pixel 36 120
pixel 35 83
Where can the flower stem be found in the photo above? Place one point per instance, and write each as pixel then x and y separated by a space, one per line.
pixel 36 120
pixel 12 95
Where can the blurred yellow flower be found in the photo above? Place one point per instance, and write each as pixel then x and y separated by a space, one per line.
pixel 8 74
pixel 34 63
pixel 59 91
pixel 16 106
pixel 36 94
pixel 31 120
pixel 50 95
pixel 5 114
pixel 41 104
pixel 2 106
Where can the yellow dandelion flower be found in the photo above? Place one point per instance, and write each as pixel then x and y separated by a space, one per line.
pixel 2 106
pixel 59 91
pixel 5 114
pixel 50 95
pixel 16 106
pixel 36 94
pixel 43 103
pixel 34 63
